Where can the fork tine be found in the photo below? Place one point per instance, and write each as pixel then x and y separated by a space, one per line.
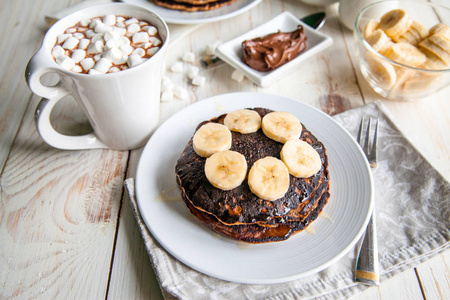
pixel 366 139
pixel 373 163
pixel 360 133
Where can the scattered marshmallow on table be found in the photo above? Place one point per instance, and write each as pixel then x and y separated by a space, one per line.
pixel 106 44
pixel 189 57
pixel 237 75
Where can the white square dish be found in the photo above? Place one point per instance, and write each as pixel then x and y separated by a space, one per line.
pixel 231 51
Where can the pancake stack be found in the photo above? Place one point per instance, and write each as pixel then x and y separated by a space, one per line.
pixel 239 213
pixel 193 5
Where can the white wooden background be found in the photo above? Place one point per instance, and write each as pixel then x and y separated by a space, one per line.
pixel 66 228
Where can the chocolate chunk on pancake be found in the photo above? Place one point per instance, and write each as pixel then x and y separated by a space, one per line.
pixel 240 214
pixel 193 5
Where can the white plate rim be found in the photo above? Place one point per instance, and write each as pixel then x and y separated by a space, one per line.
pixel 225 99
pixel 176 17
pixel 264 79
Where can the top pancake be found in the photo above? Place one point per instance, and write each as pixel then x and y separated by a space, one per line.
pixel 240 205
pixel 193 5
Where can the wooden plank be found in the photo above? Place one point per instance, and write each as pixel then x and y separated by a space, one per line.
pixel 434 277
pixel 132 275
pixel 58 216
pixel 21 41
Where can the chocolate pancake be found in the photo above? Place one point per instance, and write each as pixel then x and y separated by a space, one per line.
pixel 193 5
pixel 239 213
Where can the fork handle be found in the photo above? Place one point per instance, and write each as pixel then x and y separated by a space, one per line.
pixel 367 270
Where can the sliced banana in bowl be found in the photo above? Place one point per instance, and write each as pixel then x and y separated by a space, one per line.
pixel 400 54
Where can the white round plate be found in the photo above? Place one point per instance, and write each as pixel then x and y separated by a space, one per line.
pixel 331 236
pixel 182 17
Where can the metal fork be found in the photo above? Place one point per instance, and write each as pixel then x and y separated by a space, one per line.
pixel 367 270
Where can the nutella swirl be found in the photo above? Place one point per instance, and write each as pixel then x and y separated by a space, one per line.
pixel 273 50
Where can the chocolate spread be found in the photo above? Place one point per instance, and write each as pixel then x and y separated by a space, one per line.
pixel 273 50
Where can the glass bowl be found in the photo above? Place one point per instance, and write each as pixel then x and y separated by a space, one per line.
pixel 395 70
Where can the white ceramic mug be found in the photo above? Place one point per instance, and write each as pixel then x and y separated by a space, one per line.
pixel 122 107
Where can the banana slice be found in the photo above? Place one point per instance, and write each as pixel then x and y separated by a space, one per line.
pixel 383 73
pixel 432 50
pixel 395 23
pixel 406 54
pixel 243 121
pixel 370 28
pixel 268 178
pixel 301 159
pixel 378 39
pixel 211 138
pixel 444 44
pixel 281 126
pixel 416 33
pixel 422 83
pixel 226 169
pixel 442 29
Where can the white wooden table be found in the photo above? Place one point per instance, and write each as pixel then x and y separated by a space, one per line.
pixel 66 228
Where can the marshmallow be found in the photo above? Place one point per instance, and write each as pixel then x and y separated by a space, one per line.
pixel 180 93
pixel 192 72
pixel 237 75
pixel 77 69
pixel 126 49
pixel 155 41
pixel 189 57
pixel 87 63
pixel 93 23
pixel 89 33
pixel 131 21
pixel 97 57
pixel 63 37
pixel 152 51
pixel 124 41
pixel 134 60
pixel 138 51
pixel 71 30
pixel 140 37
pixel 133 28
pixel 150 30
pixel 121 24
pixel 113 43
pixel 85 22
pixel 103 65
pixel 167 96
pixel 102 28
pixel 65 62
pixel 97 37
pixel 78 35
pixel 143 23
pixel 70 43
pixel 95 48
pixel 113 55
pixel 167 86
pixel 93 72
pixel 83 44
pixel 177 67
pixel 113 70
pixel 120 31
pixel 57 51
pixel 109 19
pixel 120 19
pixel 145 45
pixel 199 80
pixel 110 35
pixel 78 55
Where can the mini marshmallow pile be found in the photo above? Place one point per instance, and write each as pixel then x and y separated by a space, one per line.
pixel 106 44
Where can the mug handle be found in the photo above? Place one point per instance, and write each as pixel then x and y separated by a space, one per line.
pixel 36 68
